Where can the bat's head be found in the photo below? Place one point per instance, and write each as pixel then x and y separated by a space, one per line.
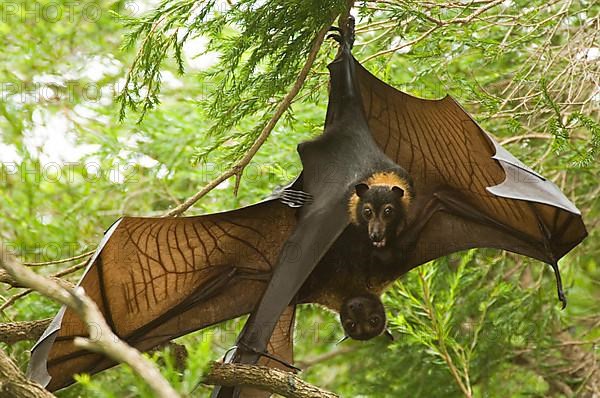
pixel 363 317
pixel 380 205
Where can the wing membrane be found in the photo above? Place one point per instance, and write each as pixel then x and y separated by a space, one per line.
pixel 155 279
pixel 446 152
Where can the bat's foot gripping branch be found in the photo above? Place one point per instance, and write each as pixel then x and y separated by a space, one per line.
pixel 244 346
pixel 232 356
pixel 344 36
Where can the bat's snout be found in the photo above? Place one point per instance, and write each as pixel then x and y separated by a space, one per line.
pixel 377 239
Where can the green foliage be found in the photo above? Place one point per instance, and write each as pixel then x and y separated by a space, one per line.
pixel 478 321
pixel 262 46
pixel 185 381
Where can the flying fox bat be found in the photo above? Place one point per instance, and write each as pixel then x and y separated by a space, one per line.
pixel 468 191
pixel 450 186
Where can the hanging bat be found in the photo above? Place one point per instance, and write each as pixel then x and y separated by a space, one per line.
pixel 468 191
pixel 155 279
pixel 395 182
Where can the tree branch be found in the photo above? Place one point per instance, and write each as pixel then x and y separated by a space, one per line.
pixel 62 260
pixel 14 384
pixel 106 342
pixel 6 278
pixel 13 332
pixel 265 378
pixel 285 103
pixel 57 277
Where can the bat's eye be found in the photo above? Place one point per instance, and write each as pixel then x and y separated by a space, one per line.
pixel 374 321
pixel 367 213
pixel 388 211
pixel 350 325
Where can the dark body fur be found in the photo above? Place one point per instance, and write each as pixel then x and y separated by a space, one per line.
pixel 353 266
pixel 355 269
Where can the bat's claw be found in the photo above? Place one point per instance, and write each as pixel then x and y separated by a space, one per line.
pixel 563 299
pixel 559 288
pixel 268 355
pixel 294 198
pixel 335 37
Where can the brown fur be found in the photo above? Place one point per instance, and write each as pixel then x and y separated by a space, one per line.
pixel 389 179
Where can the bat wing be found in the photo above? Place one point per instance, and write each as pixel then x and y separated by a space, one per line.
pixel 155 279
pixel 489 198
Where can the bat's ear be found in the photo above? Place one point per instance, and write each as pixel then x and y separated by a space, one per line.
pixel 398 191
pixel 361 189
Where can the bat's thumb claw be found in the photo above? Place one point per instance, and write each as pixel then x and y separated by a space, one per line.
pixel 294 198
pixel 335 37
pixel 563 299
pixel 230 354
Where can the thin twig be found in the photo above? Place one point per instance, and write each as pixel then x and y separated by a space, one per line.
pixel 70 270
pixel 309 362
pixel 62 260
pixel 13 299
pixel 401 46
pixel 239 166
pixel 519 138
pixel 13 332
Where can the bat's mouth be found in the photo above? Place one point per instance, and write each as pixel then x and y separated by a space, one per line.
pixel 379 244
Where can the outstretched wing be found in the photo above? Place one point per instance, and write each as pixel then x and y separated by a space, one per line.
pixel 155 279
pixel 490 198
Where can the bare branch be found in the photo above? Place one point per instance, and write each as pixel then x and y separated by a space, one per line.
pixel 14 384
pixel 13 332
pixel 8 279
pixel 106 342
pixel 265 378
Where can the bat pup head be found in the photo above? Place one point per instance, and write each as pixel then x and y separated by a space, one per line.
pixel 363 317
pixel 379 205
